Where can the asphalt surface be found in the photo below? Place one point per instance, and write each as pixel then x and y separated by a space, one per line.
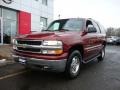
pixel 95 75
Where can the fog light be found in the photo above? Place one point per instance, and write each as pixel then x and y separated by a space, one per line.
pixel 14 47
pixel 45 51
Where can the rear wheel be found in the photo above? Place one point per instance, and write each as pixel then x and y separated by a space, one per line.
pixel 73 64
pixel 102 55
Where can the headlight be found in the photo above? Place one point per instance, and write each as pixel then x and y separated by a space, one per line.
pixel 55 47
pixel 52 43
pixel 14 41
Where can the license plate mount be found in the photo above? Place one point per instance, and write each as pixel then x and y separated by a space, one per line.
pixel 22 61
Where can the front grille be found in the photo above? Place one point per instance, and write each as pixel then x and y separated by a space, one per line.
pixel 29 42
pixel 26 46
pixel 28 49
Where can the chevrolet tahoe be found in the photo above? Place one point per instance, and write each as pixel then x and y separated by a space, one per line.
pixel 63 47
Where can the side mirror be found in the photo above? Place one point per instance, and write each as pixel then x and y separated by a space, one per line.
pixel 91 29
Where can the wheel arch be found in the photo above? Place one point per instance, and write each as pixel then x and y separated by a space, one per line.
pixel 78 47
pixel 104 43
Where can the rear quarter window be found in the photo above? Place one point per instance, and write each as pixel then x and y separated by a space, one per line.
pixel 103 31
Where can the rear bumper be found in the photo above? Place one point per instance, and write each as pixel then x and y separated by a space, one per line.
pixel 53 65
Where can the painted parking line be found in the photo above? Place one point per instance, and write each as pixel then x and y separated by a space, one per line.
pixel 12 75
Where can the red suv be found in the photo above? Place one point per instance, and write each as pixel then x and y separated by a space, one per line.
pixel 63 46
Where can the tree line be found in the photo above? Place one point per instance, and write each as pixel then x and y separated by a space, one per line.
pixel 113 31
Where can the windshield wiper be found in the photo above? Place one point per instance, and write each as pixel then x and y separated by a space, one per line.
pixel 64 29
pixel 56 30
pixel 46 30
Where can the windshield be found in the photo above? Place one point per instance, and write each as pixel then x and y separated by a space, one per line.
pixel 66 25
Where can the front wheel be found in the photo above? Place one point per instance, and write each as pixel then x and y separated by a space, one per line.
pixel 73 64
pixel 102 55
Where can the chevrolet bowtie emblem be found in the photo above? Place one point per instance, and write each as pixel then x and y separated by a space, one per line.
pixel 24 45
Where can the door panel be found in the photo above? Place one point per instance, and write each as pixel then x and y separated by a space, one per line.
pixel 89 45
pixel 91 40
pixel 98 38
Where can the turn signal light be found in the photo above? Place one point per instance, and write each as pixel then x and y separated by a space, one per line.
pixel 57 51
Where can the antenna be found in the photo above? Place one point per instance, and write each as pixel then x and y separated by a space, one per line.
pixel 59 16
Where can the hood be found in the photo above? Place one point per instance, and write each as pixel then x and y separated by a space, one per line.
pixel 48 35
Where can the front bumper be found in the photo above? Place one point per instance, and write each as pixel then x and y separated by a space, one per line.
pixel 53 65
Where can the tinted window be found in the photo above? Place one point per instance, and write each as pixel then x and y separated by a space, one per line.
pixel 89 23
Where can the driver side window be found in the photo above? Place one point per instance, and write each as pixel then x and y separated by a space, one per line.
pixel 89 24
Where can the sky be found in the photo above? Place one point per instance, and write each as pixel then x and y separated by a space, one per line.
pixel 107 12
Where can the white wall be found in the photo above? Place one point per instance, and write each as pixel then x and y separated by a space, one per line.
pixel 36 8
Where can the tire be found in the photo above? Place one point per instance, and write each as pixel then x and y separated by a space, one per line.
pixel 73 64
pixel 102 55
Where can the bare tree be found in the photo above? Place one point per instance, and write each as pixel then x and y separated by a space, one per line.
pixel 118 32
pixel 110 31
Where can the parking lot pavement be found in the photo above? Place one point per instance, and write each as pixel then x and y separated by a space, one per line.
pixel 104 75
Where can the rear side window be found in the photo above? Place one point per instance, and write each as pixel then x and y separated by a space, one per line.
pixel 97 27
pixel 102 28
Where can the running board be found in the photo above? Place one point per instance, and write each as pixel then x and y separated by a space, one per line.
pixel 90 59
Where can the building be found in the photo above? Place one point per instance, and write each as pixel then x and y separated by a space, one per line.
pixel 18 17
